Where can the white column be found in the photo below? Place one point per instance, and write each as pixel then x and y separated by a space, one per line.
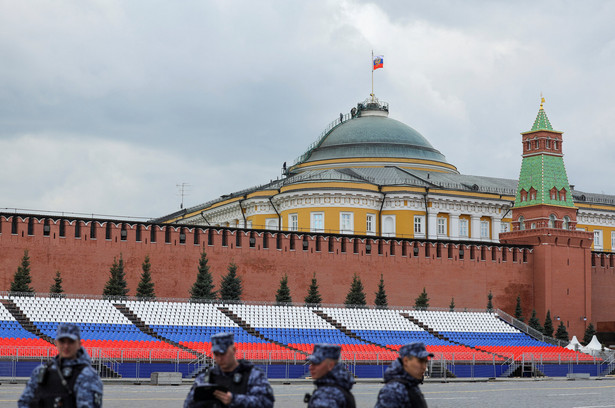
pixel 453 231
pixel 475 229
pixel 432 232
pixel 495 229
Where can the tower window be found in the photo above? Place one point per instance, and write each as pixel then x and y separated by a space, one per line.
pixel 555 144
pixel 521 223
pixel 548 143
pixel 536 144
pixel 523 195
pixel 566 223
pixel 77 229
pixel 562 194
pixel 552 221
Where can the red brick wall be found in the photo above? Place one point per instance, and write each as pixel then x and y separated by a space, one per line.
pixel 508 271
pixel 603 291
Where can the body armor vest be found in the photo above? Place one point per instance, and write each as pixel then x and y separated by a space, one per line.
pixel 237 383
pixel 55 389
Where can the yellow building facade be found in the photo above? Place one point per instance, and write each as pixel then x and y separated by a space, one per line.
pixel 371 175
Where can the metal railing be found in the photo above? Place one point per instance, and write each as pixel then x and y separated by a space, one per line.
pixel 278 364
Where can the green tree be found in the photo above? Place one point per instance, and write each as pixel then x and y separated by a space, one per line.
pixel 548 329
pixel 203 287
pixel 422 302
pixel 381 295
pixel 355 296
pixel 561 333
pixel 230 288
pixel 145 289
pixel 22 279
pixel 283 294
pixel 451 307
pixel 490 302
pixel 56 288
pixel 518 310
pixel 313 296
pixel 590 332
pixel 116 285
pixel 534 323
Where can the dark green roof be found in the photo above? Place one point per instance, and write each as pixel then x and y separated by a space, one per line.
pixel 375 136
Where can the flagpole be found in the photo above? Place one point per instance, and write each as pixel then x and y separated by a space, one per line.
pixel 372 94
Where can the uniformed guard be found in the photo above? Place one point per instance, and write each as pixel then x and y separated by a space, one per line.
pixel 68 380
pixel 231 382
pixel 333 382
pixel 403 377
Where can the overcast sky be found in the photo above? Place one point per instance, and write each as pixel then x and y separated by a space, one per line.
pixel 106 106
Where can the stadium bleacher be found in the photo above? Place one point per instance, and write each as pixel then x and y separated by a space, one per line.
pixel 133 330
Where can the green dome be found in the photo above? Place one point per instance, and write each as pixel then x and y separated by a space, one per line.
pixel 375 137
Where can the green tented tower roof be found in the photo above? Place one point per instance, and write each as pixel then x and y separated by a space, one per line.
pixel 542 121
pixel 543 173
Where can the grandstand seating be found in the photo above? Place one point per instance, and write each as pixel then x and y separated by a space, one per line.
pixel 103 327
pixel 183 330
pixel 13 336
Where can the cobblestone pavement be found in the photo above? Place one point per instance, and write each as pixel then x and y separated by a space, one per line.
pixel 522 393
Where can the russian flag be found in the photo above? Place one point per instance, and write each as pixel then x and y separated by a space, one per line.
pixel 378 62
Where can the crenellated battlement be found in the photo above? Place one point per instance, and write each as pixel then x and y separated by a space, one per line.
pixel 35 227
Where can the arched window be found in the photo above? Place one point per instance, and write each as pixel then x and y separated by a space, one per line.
pixel 521 223
pixel 552 221
pixel 566 223
pixel 532 193
pixel 523 195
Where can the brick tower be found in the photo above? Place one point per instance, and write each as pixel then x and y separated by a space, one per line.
pixel 544 215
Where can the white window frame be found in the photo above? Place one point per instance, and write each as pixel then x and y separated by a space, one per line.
pixel 504 227
pixel 293 222
pixel 463 228
pixel 441 226
pixel 346 223
pixel 370 224
pixel 484 229
pixel 598 239
pixel 419 225
pixel 612 241
pixel 317 221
